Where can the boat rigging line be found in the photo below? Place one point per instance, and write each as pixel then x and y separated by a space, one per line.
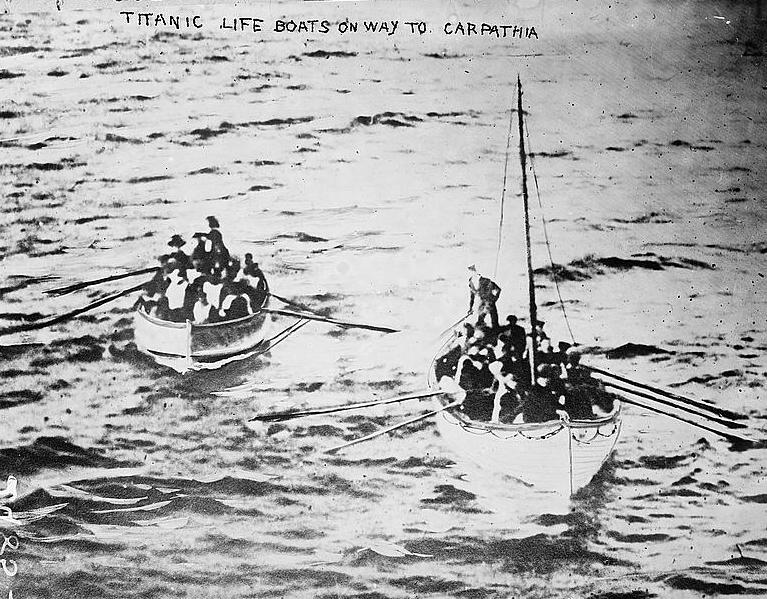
pixel 503 193
pixel 554 275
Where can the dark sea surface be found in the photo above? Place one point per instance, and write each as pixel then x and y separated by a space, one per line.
pixel 365 175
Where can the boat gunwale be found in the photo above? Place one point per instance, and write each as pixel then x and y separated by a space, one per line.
pixel 531 426
pixel 169 324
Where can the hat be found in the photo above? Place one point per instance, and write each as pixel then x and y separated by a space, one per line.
pixel 472 267
pixel 176 241
pixel 213 222
pixel 539 323
pixel 564 346
pixel 200 235
pixel 511 317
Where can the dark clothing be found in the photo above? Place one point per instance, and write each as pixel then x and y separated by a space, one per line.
pixel 469 377
pixel 448 363
pixel 181 259
pixel 199 253
pixel 218 250
pixel 237 309
pixel 517 340
pixel 478 404
pixel 510 406
pixel 578 403
pixel 539 405
pixel 488 293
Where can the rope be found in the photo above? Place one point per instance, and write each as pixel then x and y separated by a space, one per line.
pixel 546 237
pixel 503 194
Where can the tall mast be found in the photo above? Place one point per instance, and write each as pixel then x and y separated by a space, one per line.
pixel 530 278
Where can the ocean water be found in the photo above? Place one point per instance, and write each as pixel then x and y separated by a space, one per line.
pixel 365 174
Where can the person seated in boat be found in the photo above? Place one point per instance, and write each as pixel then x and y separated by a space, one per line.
pixel 514 337
pixel 201 309
pixel 474 377
pixel 561 354
pixel 546 353
pixel 160 309
pixel 489 335
pixel 176 295
pixel 539 403
pixel 201 256
pixel 154 289
pixel 212 287
pixel 235 306
pixel 235 301
pixel 487 292
pixel 466 337
pixel 178 255
pixel 586 396
pixel 507 401
pixel 255 277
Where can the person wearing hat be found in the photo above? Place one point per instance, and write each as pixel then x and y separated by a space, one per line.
pixel 178 255
pixel 487 292
pixel 540 334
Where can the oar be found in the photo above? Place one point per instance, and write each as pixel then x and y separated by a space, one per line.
pixel 288 302
pixel 687 400
pixel 51 320
pixel 455 324
pixel 729 436
pixel 724 421
pixel 291 414
pixel 340 323
pixel 84 284
pixel 394 427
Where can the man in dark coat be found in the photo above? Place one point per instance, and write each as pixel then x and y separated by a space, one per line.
pixel 218 250
pixel 488 293
pixel 516 336
pixel 200 255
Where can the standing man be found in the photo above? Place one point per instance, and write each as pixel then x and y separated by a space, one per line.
pixel 488 293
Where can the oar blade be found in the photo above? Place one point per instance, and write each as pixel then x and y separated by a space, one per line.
pixel 734 438
pixel 714 409
pixel 388 429
pixel 59 291
pixel 333 321
pixel 293 414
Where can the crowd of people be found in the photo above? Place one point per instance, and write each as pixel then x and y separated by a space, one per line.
pixel 208 285
pixel 491 362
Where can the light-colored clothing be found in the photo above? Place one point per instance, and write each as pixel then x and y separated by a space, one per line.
pixel 176 291
pixel 213 293
pixel 201 312
pixel 227 303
